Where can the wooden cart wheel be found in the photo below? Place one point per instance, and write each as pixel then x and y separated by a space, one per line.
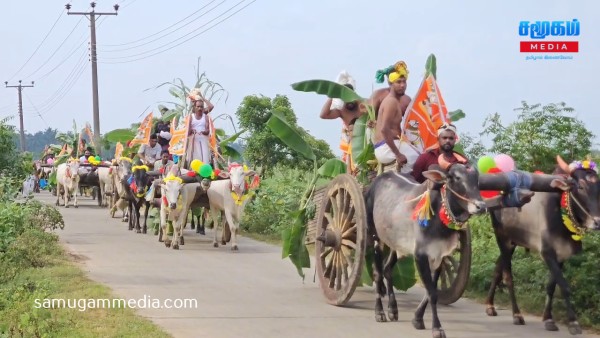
pixel 455 271
pixel 340 245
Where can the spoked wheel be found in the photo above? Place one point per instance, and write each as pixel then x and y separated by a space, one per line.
pixel 456 269
pixel 340 245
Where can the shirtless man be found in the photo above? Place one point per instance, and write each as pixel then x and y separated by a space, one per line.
pixel 379 95
pixel 387 129
pixel 349 112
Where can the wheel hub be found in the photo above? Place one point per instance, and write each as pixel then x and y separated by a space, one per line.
pixel 330 238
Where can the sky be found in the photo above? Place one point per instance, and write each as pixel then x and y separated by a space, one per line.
pixel 268 45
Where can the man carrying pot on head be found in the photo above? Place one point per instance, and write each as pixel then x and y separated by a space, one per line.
pixel 199 130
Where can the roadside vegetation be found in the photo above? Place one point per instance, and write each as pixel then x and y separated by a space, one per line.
pixel 35 267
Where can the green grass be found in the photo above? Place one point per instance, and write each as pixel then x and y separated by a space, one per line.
pixel 60 278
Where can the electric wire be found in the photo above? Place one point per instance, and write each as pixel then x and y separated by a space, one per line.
pixel 179 44
pixel 40 45
pixel 151 35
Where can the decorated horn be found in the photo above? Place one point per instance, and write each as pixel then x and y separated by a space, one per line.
pixel 563 165
pixel 443 163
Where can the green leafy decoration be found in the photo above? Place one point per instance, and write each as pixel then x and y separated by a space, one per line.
pixel 329 88
pixel 289 135
pixel 431 66
pixel 332 168
pixel 293 242
pixel 120 135
pixel 456 115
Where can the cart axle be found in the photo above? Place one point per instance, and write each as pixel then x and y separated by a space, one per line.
pixel 329 239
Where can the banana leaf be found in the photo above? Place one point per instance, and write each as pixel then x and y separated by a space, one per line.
pixel 359 139
pixel 456 115
pixel 293 242
pixel 120 135
pixel 231 152
pixel 220 132
pixel 289 135
pixel 403 272
pixel 231 138
pixel 332 89
pixel 332 168
pixel 431 66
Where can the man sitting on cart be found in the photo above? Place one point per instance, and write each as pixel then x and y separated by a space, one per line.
pixel 388 143
pixel 446 140
pixel 349 112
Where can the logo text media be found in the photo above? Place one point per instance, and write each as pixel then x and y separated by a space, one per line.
pixel 540 30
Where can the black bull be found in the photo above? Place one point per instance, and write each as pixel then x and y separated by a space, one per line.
pixel 540 227
pixel 389 210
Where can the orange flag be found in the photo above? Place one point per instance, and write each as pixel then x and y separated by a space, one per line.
pixel 118 150
pixel 144 131
pixel 179 136
pixel 426 113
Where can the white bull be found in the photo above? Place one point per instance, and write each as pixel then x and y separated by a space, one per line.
pixel 105 182
pixel 177 199
pixel 67 182
pixel 229 196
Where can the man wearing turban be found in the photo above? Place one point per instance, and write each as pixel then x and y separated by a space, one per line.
pixel 349 112
pixel 446 140
pixel 388 144
pixel 380 94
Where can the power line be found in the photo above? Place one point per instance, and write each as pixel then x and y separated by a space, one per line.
pixel 65 59
pixel 179 44
pixel 38 113
pixel 181 37
pixel 80 65
pixel 149 36
pixel 40 45
pixel 56 50
pixel 72 83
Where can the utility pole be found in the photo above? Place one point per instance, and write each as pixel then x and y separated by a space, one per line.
pixel 96 106
pixel 20 89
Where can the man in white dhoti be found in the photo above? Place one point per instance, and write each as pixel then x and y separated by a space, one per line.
pixel 199 132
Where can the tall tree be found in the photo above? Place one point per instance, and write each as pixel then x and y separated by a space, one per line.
pixel 262 147
pixel 539 134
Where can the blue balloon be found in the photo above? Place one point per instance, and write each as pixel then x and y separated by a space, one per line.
pixel 175 159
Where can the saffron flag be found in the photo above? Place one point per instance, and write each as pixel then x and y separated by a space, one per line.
pixel 144 131
pixel 212 136
pixel 426 113
pixel 179 138
pixel 118 150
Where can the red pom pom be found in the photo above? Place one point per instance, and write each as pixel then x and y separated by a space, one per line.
pixel 217 172
pixel 162 170
pixel 538 172
pixel 191 173
pixel 494 171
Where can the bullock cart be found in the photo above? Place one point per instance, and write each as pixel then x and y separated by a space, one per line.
pixel 339 227
pixel 91 179
pixel 200 202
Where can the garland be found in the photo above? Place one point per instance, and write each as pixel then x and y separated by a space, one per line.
pixel 446 215
pixel 568 218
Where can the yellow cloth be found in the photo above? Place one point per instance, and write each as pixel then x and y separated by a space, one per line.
pixel 400 70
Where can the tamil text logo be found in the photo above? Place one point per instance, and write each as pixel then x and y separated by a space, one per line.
pixel 538 31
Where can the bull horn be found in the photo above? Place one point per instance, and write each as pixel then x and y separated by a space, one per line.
pixel 563 165
pixel 443 163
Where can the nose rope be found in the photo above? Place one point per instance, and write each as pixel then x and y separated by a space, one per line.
pixel 572 197
pixel 459 195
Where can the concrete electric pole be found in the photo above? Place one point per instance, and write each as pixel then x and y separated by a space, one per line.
pixel 92 17
pixel 20 89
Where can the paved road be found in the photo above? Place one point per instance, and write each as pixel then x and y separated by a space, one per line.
pixel 251 293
